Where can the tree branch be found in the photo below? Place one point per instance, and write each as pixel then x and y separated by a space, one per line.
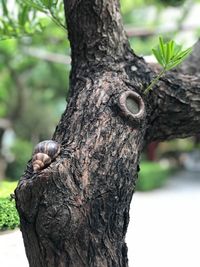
pixel 191 64
pixel 175 106
pixel 95 30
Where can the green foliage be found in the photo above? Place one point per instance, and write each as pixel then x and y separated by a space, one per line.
pixel 168 55
pixel 172 2
pixel 16 21
pixel 152 175
pixel 128 5
pixel 176 146
pixel 7 188
pixel 21 17
pixel 143 46
pixel 22 151
pixel 52 8
pixel 32 91
pixel 26 17
pixel 9 218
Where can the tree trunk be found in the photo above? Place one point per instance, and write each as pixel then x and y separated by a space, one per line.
pixel 75 212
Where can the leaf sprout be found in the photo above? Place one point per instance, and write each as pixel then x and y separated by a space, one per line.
pixel 168 55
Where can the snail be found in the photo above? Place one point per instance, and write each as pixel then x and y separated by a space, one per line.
pixel 44 153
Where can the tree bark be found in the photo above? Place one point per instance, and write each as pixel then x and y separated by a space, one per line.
pixel 75 212
pixel 176 103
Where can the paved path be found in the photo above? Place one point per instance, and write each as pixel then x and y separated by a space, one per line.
pixel 12 252
pixel 164 230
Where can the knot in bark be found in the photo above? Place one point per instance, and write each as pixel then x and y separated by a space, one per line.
pixel 132 107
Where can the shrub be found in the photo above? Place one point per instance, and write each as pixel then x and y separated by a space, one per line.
pixel 152 175
pixel 9 218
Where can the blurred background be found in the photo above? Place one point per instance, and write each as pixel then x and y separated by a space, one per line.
pixel 34 79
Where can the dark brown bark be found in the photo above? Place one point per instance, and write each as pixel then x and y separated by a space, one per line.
pixel 75 212
pixel 176 104
pixel 95 31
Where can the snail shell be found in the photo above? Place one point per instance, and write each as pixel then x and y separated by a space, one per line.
pixel 44 153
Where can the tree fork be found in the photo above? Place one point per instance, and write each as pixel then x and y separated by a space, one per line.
pixel 75 212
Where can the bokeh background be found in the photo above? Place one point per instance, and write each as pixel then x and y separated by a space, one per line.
pixel 34 82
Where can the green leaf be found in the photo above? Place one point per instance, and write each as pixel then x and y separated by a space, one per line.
pixel 5 9
pixel 177 49
pixel 172 43
pixel 158 56
pixel 173 64
pixel 35 5
pixel 162 47
pixel 168 55
pixel 23 16
pixel 184 53
pixel 47 3
pixel 168 52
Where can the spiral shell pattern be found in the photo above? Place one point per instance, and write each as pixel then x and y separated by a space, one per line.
pixel 44 153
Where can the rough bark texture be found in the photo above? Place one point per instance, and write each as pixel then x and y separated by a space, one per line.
pixel 75 213
pixel 176 107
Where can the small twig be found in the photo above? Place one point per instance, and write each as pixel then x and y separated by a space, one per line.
pixel 169 55
pixel 153 82
pixel 56 21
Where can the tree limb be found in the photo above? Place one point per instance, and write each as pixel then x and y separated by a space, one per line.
pixel 176 102
pixel 95 30
pixel 191 64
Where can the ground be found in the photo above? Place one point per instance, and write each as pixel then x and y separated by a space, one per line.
pixel 163 231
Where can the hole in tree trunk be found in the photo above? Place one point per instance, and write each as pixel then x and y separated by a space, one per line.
pixel 132 105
